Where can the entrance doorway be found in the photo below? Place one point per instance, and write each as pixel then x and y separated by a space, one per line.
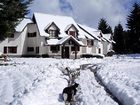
pixel 65 52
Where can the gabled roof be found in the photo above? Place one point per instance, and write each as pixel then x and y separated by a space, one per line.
pixel 69 26
pixel 42 20
pixel 91 31
pixel 49 25
pixel 23 24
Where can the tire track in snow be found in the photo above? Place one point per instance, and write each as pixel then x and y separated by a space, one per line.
pixel 94 69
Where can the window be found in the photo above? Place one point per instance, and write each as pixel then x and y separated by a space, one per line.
pixel 37 50
pixel 72 33
pixel 99 50
pixel 32 34
pixel 54 49
pixel 30 49
pixel 75 48
pixel 5 50
pixel 12 49
pixel 53 33
pixel 90 42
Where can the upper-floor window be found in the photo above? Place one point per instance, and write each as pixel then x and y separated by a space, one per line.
pixel 53 33
pixel 33 34
pixel 90 42
pixel 73 33
pixel 71 30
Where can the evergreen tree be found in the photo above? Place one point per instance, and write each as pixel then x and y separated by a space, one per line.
pixel 104 27
pixel 118 37
pixel 133 24
pixel 11 11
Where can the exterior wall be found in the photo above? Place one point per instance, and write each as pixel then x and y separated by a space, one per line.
pixel 22 42
pixel 99 47
pixel 105 47
pixel 83 49
pixel 31 41
pixel 17 41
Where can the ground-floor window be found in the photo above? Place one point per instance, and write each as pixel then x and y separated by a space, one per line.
pixel 55 49
pixel 5 50
pixel 37 50
pixel 30 49
pixel 99 50
pixel 10 49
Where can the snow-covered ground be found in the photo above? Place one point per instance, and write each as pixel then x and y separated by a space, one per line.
pixel 40 81
pixel 121 74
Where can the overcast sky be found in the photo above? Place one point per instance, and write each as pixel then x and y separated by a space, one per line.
pixel 87 12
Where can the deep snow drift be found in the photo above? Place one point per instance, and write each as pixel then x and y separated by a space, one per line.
pixel 40 81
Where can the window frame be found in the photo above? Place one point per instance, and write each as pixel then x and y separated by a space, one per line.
pixel 30 49
pixel 72 33
pixel 90 42
pixel 33 34
pixel 55 48
pixel 53 33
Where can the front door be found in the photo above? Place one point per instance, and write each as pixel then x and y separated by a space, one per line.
pixel 65 52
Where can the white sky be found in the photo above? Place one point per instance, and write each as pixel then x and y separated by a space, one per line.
pixel 87 12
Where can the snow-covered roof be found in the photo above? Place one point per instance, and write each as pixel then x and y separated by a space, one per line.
pixel 93 32
pixel 107 36
pixel 61 41
pixel 62 23
pixel 1 53
pixel 52 41
pixel 22 24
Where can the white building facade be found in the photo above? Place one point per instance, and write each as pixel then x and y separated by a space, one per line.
pixel 54 36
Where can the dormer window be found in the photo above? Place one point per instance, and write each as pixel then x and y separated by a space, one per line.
pixel 52 30
pixel 53 33
pixel 73 33
pixel 71 30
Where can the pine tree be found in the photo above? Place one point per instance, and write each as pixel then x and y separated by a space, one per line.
pixel 118 37
pixel 133 24
pixel 104 27
pixel 11 11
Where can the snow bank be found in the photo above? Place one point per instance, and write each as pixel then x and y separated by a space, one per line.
pixel 122 76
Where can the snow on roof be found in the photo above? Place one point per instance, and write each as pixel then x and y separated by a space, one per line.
pixel 107 36
pixel 52 41
pixel 61 41
pixel 22 24
pixel 1 53
pixel 93 32
pixel 62 22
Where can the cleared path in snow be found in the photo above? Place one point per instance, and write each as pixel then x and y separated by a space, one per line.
pixel 91 92
pixel 94 69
